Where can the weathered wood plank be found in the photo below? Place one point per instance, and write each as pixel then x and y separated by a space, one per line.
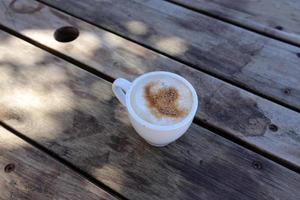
pixel 75 114
pixel 27 173
pixel 258 63
pixel 276 18
pixel 223 106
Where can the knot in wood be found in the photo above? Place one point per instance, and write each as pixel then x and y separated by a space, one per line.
pixel 9 168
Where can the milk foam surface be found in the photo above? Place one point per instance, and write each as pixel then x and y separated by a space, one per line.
pixel 141 106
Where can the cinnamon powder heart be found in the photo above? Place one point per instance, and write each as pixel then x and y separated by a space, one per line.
pixel 164 102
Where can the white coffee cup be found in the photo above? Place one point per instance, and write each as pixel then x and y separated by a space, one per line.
pixel 155 135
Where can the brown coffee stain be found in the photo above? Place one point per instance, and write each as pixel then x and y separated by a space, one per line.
pixel 164 102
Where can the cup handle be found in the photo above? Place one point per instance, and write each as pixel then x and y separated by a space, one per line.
pixel 120 86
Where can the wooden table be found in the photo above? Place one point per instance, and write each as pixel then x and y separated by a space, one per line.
pixel 64 135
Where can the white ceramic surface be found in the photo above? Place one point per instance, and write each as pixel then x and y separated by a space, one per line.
pixel 154 134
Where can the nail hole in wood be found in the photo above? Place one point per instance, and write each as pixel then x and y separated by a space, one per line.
pixel 66 34
pixel 287 91
pixel 298 54
pixel 273 127
pixel 279 28
pixel 9 168
pixel 256 165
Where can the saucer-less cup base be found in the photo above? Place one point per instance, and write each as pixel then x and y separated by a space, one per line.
pixel 157 145
pixel 154 134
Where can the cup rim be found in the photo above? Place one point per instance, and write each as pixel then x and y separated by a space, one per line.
pixel 143 122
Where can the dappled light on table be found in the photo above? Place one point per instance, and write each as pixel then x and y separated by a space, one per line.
pixel 171 45
pixel 137 27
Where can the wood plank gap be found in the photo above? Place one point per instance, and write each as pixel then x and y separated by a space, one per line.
pixel 225 134
pixel 63 161
pixel 244 87
pixel 246 145
pixel 58 54
pixel 66 130
pixel 234 23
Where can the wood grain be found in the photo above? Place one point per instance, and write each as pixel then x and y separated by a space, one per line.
pixel 276 18
pixel 27 173
pixel 222 106
pixel 255 62
pixel 74 114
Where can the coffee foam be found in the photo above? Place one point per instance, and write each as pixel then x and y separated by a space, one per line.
pixel 161 100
